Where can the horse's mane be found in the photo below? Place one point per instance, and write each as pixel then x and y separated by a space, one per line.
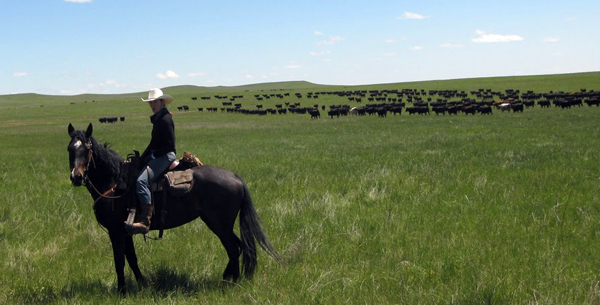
pixel 109 159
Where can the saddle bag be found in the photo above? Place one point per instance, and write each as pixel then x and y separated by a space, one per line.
pixel 180 182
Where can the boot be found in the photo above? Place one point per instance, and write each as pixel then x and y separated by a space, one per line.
pixel 142 222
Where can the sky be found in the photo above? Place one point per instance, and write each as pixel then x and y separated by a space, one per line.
pixel 70 47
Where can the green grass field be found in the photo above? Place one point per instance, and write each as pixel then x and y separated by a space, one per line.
pixel 496 209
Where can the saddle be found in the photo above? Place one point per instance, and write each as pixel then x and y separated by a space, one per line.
pixel 177 181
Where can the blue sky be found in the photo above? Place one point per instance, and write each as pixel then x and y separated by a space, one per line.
pixel 73 47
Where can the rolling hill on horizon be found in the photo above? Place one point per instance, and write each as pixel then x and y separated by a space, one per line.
pixel 539 83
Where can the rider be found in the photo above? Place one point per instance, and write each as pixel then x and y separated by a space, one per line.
pixel 158 156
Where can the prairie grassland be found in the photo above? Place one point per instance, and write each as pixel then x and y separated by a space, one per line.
pixel 499 209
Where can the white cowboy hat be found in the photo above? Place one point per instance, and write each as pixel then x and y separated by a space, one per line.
pixel 157 94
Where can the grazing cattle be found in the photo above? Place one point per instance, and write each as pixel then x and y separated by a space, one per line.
pixel 333 112
pixel 381 112
pixel 452 110
pixel 122 119
pixel 593 101
pixel 396 109
pixel 371 110
pixel 529 103
pixel 485 109
pixel 102 120
pixel 194 98
pixel 186 107
pixel 314 113
pixel 439 109
pixel 517 107
pixel 418 109
pixel 201 109
pixel 544 104
pixel 504 107
pixel 469 109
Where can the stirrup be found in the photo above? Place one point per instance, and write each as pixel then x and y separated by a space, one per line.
pixel 132 230
pixel 130 217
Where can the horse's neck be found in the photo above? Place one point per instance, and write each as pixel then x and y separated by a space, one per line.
pixel 100 176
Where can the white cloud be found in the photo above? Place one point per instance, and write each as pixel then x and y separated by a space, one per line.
pixel 452 45
pixel 332 40
pixel 416 48
pixel 412 16
pixel 551 39
pixel 486 38
pixel 20 74
pixel 78 1
pixel 318 33
pixel 320 53
pixel 168 74
pixel 196 74
pixel 293 65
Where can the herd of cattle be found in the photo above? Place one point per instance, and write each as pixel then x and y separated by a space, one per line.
pixel 411 101
pixel 394 102
pixel 112 119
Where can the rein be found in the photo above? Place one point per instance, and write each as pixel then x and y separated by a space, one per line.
pixel 111 190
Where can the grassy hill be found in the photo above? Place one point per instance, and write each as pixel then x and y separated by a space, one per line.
pixel 538 83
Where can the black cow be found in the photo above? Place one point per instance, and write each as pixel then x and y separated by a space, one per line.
pixel 334 112
pixel 314 113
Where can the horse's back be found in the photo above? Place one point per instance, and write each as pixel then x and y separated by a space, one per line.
pixel 216 178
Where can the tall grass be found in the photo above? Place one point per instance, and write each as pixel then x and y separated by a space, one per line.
pixel 499 209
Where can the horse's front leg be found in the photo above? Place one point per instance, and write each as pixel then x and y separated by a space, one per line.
pixel 118 245
pixel 132 260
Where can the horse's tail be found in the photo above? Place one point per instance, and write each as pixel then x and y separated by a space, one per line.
pixel 251 231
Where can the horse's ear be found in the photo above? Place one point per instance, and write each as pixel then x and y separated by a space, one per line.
pixel 88 132
pixel 71 129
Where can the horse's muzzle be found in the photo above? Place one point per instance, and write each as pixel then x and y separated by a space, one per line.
pixel 77 180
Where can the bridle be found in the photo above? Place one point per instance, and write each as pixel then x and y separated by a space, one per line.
pixel 86 180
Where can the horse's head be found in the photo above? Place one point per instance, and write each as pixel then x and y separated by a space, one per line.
pixel 79 153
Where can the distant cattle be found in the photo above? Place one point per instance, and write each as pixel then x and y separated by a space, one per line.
pixel 593 101
pixel 333 112
pixel 485 109
pixel 111 120
pixel 396 110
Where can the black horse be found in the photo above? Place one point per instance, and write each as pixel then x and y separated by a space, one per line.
pixel 217 196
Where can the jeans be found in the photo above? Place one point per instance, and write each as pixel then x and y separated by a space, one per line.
pixel 150 173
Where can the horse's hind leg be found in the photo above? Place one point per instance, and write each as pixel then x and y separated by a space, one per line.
pixel 232 245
